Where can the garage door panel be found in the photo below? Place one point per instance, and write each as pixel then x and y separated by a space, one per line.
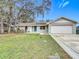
pixel 61 29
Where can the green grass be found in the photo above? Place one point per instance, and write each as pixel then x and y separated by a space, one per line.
pixel 29 46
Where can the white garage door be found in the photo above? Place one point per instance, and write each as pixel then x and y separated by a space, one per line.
pixel 61 29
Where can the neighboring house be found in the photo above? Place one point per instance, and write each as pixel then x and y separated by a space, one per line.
pixel 59 26
pixel 77 30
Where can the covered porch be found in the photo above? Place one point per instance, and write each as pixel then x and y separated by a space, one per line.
pixel 36 29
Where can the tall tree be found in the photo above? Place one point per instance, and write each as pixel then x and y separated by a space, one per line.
pixel 43 7
pixel 33 8
pixel 28 9
pixel 2 15
pixel 10 4
pixel 25 10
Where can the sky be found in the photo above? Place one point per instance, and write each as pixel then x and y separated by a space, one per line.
pixel 65 8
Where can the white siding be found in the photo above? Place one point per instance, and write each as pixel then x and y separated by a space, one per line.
pixel 29 29
pixel 61 29
pixel 49 28
pixel 74 29
pixel 38 29
pixel 22 28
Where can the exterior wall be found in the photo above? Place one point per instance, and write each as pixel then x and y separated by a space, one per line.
pixel 49 27
pixel 62 26
pixel 38 29
pixel 66 27
pixel 29 29
pixel 43 30
pixel 74 29
pixel 22 28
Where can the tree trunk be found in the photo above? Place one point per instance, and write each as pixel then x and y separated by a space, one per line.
pixel 9 29
pixel 10 17
pixel 2 27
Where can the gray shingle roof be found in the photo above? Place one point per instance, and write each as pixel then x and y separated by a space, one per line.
pixel 52 22
pixel 32 24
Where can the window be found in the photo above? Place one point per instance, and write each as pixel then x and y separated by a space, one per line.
pixel 42 27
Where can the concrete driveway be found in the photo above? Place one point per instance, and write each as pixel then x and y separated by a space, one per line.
pixel 69 42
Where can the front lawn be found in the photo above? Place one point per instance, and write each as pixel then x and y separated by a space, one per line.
pixel 29 46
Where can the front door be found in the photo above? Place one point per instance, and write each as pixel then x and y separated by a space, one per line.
pixel 35 28
pixel 26 29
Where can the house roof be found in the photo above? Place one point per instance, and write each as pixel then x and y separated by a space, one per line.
pixel 55 23
pixel 32 24
pixel 65 19
pixel 52 22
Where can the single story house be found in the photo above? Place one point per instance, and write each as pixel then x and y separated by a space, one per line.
pixel 60 26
